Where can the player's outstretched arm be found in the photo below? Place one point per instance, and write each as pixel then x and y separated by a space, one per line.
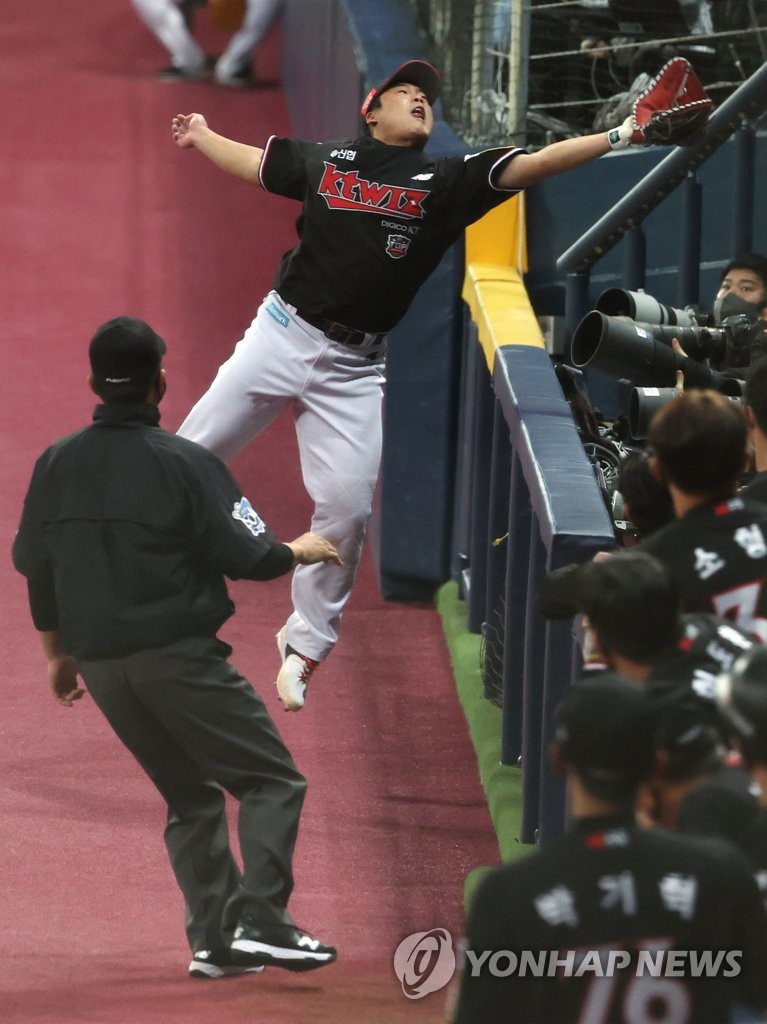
pixel 527 168
pixel 191 131
pixel 673 110
pixel 310 548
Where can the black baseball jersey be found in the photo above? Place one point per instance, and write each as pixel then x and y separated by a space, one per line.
pixel 651 898
pixel 376 221
pixel 717 555
pixel 127 534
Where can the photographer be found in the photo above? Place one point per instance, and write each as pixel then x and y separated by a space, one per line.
pixel 631 335
pixel 739 307
pixel 743 287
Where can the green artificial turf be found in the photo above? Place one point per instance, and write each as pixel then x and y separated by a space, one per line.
pixel 502 783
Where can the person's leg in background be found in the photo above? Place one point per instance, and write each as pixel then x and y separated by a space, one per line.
pixel 167 21
pixel 233 67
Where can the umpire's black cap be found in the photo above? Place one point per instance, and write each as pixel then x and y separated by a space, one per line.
pixel 605 729
pixel 418 72
pixel 125 353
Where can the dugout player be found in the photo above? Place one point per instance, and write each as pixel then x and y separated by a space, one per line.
pixel 377 215
pixel 716 549
pixel 608 886
pixel 126 536
pixel 638 625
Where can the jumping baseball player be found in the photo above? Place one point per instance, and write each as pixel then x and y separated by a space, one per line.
pixel 377 216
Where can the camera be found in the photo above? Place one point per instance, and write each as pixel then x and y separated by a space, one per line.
pixel 645 402
pixel 629 335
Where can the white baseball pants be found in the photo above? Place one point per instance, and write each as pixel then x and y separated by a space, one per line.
pixel 164 19
pixel 336 395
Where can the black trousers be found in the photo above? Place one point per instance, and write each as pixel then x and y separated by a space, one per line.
pixel 197 728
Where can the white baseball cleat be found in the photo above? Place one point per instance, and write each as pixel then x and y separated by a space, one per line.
pixel 293 677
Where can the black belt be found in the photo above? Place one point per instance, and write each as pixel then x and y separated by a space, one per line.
pixel 341 333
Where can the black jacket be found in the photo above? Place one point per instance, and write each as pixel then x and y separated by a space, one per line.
pixel 128 532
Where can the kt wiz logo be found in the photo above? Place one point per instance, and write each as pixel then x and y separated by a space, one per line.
pixel 345 190
pixel 424 962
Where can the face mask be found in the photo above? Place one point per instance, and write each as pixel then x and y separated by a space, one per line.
pixel 731 304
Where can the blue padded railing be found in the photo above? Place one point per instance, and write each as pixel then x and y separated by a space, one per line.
pixel 528 503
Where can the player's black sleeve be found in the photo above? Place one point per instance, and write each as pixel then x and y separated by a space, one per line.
pixel 283 167
pixel 467 189
pixel 30 556
pixel 228 531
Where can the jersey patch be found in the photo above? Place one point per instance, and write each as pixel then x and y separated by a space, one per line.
pixel 397 246
pixel 244 512
pixel 278 314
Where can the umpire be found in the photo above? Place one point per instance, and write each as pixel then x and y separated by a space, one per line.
pixel 126 537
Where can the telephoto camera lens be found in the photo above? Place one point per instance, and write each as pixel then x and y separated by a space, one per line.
pixel 641 306
pixel 627 349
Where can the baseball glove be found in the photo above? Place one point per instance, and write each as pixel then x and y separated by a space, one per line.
pixel 672 111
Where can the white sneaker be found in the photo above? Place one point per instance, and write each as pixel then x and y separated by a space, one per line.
pixel 293 677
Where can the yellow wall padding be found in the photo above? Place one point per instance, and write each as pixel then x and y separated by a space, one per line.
pixel 500 308
pixel 500 237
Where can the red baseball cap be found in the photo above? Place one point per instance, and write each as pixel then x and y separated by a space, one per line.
pixel 416 72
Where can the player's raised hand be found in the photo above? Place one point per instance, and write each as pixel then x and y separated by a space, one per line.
pixel 310 548
pixel 184 128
